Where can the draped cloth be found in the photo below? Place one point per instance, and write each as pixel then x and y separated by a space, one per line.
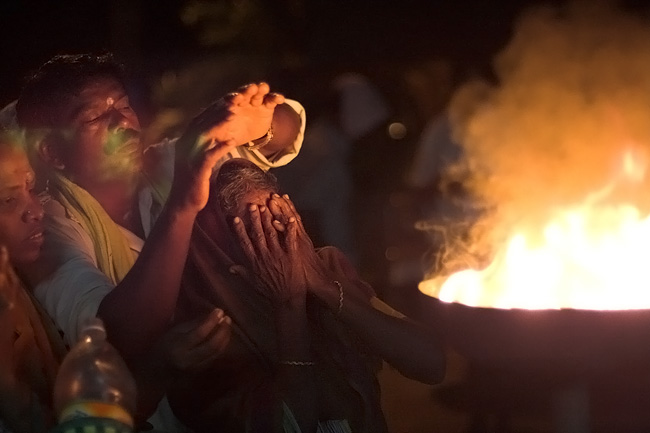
pixel 114 256
pixel 290 425
pixel 36 354
pixel 237 393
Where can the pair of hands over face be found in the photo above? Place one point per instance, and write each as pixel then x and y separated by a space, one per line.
pixel 282 257
pixel 279 251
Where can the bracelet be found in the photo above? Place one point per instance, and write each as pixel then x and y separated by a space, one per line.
pixel 340 287
pixel 298 363
pixel 265 139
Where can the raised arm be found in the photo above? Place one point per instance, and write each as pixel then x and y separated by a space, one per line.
pixel 404 344
pixel 141 306
pixel 279 280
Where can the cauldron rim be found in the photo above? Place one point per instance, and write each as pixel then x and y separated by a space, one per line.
pixel 599 339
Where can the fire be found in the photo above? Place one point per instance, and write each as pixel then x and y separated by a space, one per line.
pixel 594 255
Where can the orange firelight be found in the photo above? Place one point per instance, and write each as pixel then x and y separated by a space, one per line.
pixel 594 255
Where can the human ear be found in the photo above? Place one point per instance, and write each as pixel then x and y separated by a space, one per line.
pixel 48 152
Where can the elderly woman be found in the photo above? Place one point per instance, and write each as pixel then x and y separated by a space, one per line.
pixel 30 346
pixel 308 335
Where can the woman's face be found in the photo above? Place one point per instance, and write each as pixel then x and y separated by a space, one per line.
pixel 21 213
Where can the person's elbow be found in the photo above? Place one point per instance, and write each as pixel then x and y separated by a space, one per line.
pixel 426 365
pixel 429 367
pixel 286 128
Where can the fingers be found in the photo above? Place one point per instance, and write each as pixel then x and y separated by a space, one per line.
pixel 257 98
pixel 291 205
pixel 273 99
pixel 206 327
pixel 205 131
pixel 216 112
pixel 199 343
pixel 255 95
pixel 234 98
pixel 289 208
pixel 279 218
pixel 244 95
pixel 283 209
pixel 260 93
pixel 287 220
pixel 277 225
pixel 194 332
pixel 292 211
pixel 255 230
pixel 244 241
pixel 292 235
pixel 270 233
pixel 212 347
pixel 263 88
pixel 215 151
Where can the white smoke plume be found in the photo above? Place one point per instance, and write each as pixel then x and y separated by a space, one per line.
pixel 572 95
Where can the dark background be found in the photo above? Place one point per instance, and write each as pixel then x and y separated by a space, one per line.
pixel 352 33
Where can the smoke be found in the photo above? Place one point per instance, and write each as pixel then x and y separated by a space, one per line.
pixel 572 96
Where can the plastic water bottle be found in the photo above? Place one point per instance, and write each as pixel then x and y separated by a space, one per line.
pixel 94 382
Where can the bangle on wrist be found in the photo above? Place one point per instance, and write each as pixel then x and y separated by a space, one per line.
pixel 340 287
pixel 298 363
pixel 260 142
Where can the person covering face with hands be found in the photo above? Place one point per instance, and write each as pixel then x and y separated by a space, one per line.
pixel 307 333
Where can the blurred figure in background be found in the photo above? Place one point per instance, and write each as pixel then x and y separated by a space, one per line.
pixel 330 188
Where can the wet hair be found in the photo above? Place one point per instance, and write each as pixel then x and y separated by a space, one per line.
pixel 51 87
pixel 236 178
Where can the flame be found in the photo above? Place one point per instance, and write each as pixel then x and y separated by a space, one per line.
pixel 594 255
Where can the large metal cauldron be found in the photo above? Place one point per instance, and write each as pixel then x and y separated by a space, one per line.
pixel 586 339
pixel 529 361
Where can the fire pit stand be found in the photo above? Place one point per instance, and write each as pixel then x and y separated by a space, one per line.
pixel 580 371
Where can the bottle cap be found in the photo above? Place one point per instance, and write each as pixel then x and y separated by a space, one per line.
pixel 94 327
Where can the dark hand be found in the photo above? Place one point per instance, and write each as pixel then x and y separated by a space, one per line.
pixel 192 346
pixel 286 218
pixel 197 155
pixel 275 261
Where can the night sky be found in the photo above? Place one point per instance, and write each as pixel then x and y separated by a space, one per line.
pixel 348 33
